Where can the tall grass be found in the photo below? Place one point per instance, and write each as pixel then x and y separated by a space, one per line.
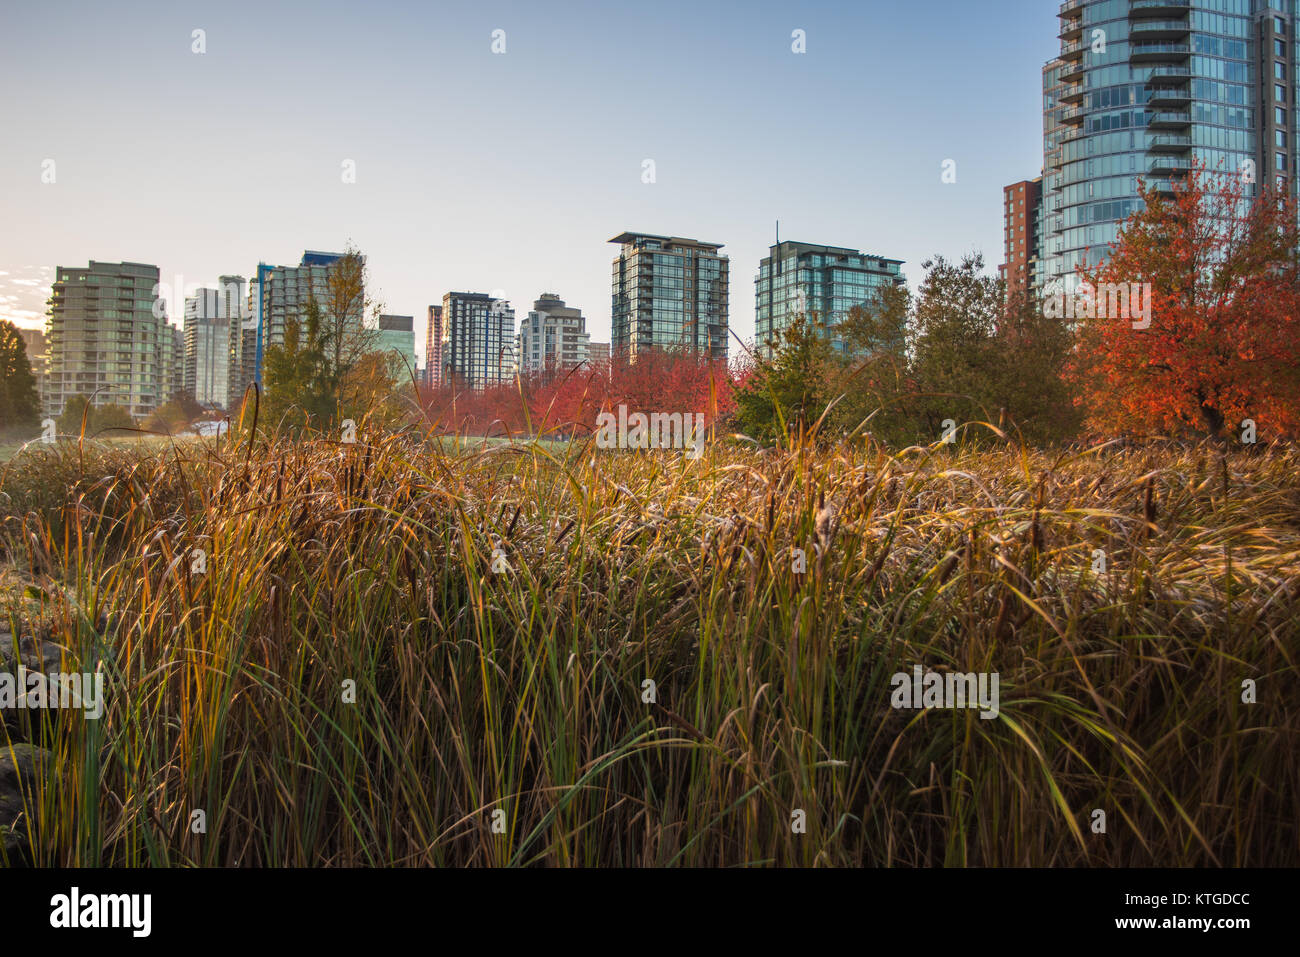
pixel 521 690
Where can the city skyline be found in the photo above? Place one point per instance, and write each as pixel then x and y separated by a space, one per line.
pixel 561 161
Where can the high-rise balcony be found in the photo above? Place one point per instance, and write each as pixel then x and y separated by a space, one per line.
pixel 1167 164
pixel 1158 30
pixel 1071 14
pixel 1170 120
pixel 1169 96
pixel 1072 115
pixel 1071 72
pixel 1072 93
pixel 1169 143
pixel 1073 52
pixel 1157 52
pixel 1158 8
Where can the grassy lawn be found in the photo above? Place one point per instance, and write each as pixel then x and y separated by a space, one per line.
pixel 396 653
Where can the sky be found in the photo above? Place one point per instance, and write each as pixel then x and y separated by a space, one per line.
pixel 505 172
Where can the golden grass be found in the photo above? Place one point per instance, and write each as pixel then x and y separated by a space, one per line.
pixel 521 691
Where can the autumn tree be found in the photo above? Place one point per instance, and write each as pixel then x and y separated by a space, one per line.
pixel 1219 344
pixel 323 372
pixel 343 337
pixel 174 415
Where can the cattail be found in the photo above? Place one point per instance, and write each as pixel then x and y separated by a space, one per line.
pixel 824 525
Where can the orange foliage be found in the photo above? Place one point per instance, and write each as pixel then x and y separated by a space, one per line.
pixel 1224 333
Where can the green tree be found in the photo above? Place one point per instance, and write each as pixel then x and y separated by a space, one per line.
pixel 1032 390
pixel 19 406
pixel 296 389
pixel 978 356
pixel 955 358
pixel 788 393
pixel 876 384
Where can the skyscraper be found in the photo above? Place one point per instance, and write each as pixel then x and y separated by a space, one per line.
pixel 279 293
pixel 108 334
pixel 1143 88
pixel 1022 214
pixel 175 360
pixel 825 281
pixel 477 341
pixel 213 330
pixel 553 336
pixel 668 293
pixel 433 349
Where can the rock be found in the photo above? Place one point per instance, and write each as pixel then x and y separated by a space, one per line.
pixel 21 768
pixel 43 656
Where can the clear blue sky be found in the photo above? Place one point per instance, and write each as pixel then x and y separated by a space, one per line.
pixel 481 171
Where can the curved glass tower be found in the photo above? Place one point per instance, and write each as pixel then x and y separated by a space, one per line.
pixel 1142 88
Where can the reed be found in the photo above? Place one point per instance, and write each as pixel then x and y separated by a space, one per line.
pixel 499 608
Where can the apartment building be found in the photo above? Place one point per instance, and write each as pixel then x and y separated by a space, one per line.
pixel 552 337
pixel 396 341
pixel 1022 216
pixel 813 280
pixel 108 337
pixel 279 293
pixel 213 334
pixel 668 293
pixel 476 347
pixel 1142 89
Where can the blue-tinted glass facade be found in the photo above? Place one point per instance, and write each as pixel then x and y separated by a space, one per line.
pixel 1143 88
pixel 828 281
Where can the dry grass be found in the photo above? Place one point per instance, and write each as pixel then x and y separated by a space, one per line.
pixel 521 691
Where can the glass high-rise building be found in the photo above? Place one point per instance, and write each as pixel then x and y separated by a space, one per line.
pixel 822 281
pixel 668 293
pixel 279 293
pixel 214 321
pixel 396 340
pixel 1143 88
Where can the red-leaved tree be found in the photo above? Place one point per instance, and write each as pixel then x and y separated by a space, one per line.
pixel 1223 336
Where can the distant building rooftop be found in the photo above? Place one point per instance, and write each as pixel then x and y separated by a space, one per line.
pixel 314 257
pixel 630 237
pixel 833 250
